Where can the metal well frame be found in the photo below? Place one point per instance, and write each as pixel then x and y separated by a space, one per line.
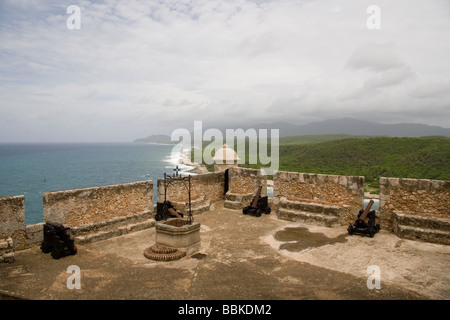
pixel 186 182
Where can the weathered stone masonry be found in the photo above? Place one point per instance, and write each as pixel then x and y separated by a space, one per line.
pixel 247 181
pixel 243 184
pixel 12 226
pixel 208 186
pixel 98 213
pixel 416 208
pixel 414 196
pixel 328 191
pixel 205 190
pixel 6 250
pixel 124 207
pixel 92 205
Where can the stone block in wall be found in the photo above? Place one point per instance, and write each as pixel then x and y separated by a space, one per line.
pixel 35 233
pixel 7 250
pixel 439 185
pixel 274 204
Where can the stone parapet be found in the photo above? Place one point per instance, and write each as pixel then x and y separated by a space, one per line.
pixel 245 181
pixel 316 213
pixel 198 206
pixel 6 250
pixel 237 201
pixel 421 197
pixel 12 220
pixel 208 186
pixel 34 233
pixel 416 227
pixel 324 190
pixel 411 208
pixel 76 207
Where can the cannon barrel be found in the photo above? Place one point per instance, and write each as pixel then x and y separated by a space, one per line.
pixel 366 211
pixel 256 198
pixel 174 212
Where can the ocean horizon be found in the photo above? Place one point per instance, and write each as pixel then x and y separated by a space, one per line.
pixel 31 169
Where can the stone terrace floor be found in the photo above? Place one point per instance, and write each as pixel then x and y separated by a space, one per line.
pixel 246 257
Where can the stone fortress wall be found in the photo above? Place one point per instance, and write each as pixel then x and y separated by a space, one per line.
pixel 414 196
pixel 208 186
pixel 83 210
pixel 411 208
pixel 97 204
pixel 339 196
pixel 12 226
pixel 242 187
pixel 247 181
pixel 416 208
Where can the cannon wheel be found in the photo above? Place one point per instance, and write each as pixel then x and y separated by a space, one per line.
pixel 46 248
pixel 350 229
pixel 267 210
pixel 56 255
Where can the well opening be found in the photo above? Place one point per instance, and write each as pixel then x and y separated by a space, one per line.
pixel 176 222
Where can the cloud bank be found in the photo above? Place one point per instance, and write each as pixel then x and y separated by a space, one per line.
pixel 142 67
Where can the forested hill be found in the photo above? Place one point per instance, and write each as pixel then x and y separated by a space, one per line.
pixel 424 158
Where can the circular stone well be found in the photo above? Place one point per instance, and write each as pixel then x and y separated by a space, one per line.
pixel 175 234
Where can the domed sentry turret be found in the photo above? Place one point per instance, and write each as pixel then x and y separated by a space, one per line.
pixel 225 158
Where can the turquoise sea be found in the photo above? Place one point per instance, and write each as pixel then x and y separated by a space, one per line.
pixel 32 169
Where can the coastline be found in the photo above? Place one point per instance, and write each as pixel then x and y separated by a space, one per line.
pixel 185 160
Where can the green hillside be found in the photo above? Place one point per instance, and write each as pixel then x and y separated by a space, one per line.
pixel 371 157
pixel 310 139
pixel 423 158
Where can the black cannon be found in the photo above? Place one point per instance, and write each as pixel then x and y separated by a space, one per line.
pixel 165 210
pixel 365 222
pixel 258 206
pixel 57 241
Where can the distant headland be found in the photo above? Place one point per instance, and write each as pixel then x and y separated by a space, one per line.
pixel 156 138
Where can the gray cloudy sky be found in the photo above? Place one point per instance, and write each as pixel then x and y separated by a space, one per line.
pixel 137 68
